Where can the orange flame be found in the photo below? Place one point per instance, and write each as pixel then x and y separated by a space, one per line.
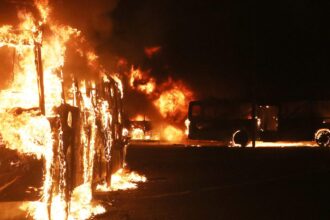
pixel 26 130
pixel 173 100
pixel 137 134
pixel 122 180
pixel 172 133
pixel 141 81
pixel 187 124
pixel 140 118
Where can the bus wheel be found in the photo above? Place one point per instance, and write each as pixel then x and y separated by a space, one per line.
pixel 240 138
pixel 322 137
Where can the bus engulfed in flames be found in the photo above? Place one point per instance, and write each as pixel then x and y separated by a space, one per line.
pixel 170 98
pixel 75 127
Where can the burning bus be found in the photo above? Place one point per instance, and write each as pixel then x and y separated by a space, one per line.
pixel 239 122
pixel 70 130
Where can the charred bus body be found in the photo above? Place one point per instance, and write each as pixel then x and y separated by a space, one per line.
pixel 76 134
pixel 88 144
pixel 242 121
pixel 97 128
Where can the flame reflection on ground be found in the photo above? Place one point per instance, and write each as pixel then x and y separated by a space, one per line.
pixel 122 180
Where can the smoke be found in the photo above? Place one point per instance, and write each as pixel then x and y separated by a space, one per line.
pixel 93 18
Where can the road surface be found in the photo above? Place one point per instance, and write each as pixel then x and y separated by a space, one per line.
pixel 211 183
pixel 225 183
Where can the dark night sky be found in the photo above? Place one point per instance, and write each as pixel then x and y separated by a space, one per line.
pixel 209 44
pixel 219 47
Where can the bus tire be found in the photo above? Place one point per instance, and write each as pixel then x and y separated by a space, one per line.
pixel 322 137
pixel 240 138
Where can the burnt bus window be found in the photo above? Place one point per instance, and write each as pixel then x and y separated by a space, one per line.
pixel 321 109
pixel 299 109
pixel 196 110
pixel 234 111
pixel 209 112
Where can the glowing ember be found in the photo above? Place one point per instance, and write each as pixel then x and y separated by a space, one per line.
pixel 122 180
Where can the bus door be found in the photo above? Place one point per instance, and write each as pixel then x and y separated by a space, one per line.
pixel 267 122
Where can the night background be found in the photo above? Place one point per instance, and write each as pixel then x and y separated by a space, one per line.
pixel 218 48
pixel 223 48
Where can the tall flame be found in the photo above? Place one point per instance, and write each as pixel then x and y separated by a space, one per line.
pixel 26 130
pixel 29 129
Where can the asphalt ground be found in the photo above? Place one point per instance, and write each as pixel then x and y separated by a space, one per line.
pixel 209 182
pixel 224 183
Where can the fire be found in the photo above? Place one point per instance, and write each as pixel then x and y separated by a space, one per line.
pixel 44 10
pixel 170 98
pixel 32 121
pixel 29 129
pixel 141 128
pixel 27 42
pixel 137 134
pixel 284 144
pixel 20 133
pixel 88 133
pixel 172 133
pixel 26 130
pixel 187 124
pixel 173 100
pixel 120 84
pixel 122 180
pixel 80 206
pixel 140 118
pixel 141 81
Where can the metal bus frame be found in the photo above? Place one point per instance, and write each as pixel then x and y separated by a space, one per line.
pixel 276 120
pixel 66 126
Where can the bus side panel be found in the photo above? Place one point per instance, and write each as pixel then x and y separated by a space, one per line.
pixel 218 129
